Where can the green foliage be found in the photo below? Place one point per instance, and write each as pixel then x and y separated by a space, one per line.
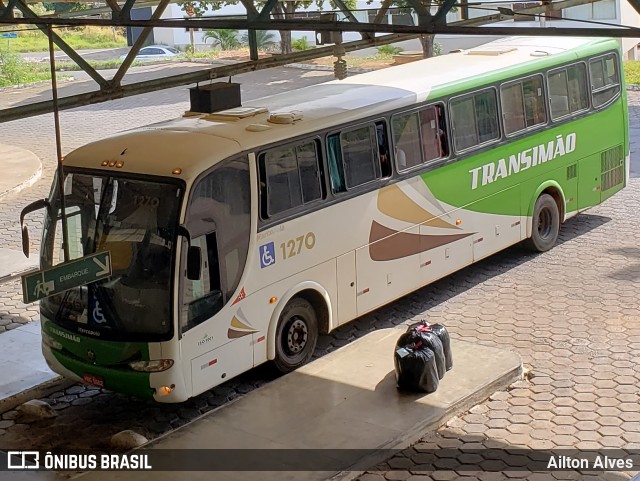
pixel 208 54
pixel 65 66
pixel 86 38
pixel 301 44
pixel 632 72
pixel 225 38
pixel 264 39
pixel 15 71
pixel 389 50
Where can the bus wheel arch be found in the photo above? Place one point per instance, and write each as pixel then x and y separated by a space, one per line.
pixel 313 294
pixel 554 190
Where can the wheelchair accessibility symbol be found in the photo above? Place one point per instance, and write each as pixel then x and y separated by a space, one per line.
pixel 267 255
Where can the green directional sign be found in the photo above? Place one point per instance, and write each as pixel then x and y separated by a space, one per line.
pixel 78 272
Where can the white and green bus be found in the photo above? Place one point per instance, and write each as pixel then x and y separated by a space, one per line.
pixel 238 237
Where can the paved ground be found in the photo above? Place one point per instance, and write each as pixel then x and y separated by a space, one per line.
pixel 573 314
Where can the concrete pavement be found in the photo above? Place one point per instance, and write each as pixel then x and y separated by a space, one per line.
pixel 20 169
pixel 343 409
pixel 25 374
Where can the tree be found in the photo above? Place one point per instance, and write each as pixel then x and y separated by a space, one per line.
pixel 282 10
pixel 264 39
pixel 429 48
pixel 225 38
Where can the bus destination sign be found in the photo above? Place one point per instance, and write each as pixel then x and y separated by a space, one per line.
pixel 78 272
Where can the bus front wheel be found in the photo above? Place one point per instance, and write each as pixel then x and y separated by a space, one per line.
pixel 296 335
pixel 545 224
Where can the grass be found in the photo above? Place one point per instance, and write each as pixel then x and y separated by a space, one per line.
pixel 213 53
pixel 15 71
pixel 632 72
pixel 66 66
pixel 80 39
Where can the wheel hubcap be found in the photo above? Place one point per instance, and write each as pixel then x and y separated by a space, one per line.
pixel 545 222
pixel 297 336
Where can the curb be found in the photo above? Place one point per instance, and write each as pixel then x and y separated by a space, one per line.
pixel 38 83
pixel 23 185
pixel 301 66
pixel 35 392
pixel 633 87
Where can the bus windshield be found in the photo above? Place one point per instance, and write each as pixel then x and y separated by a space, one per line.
pixel 135 220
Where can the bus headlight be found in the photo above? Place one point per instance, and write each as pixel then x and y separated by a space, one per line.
pixel 51 342
pixel 151 366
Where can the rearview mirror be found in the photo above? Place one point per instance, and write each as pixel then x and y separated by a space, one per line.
pixel 34 206
pixel 194 262
pixel 25 240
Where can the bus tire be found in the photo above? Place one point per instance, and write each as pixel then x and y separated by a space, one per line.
pixel 545 224
pixel 296 335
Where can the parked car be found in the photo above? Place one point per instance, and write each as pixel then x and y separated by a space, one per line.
pixel 153 52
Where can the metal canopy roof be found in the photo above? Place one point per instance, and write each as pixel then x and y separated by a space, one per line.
pixel 430 21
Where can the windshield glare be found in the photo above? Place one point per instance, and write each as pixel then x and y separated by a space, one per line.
pixel 135 220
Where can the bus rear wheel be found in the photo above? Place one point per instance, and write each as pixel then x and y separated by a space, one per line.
pixel 545 224
pixel 296 335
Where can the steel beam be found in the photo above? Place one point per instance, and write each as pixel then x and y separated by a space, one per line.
pixel 69 102
pixel 116 91
pixel 635 4
pixel 139 43
pixel 113 4
pixel 125 12
pixel 252 14
pixel 8 11
pixel 320 26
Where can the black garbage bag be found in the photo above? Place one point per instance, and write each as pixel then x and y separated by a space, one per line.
pixel 425 333
pixel 443 334
pixel 416 368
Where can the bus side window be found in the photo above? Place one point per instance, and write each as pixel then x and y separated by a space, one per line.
pixel 568 91
pixel 523 105
pixel 334 160
pixel 359 158
pixel 475 119
pixel 406 141
pixel 605 79
pixel 434 138
pixel 292 177
pixel 383 149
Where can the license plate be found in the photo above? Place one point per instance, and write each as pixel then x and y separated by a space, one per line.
pixel 93 380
